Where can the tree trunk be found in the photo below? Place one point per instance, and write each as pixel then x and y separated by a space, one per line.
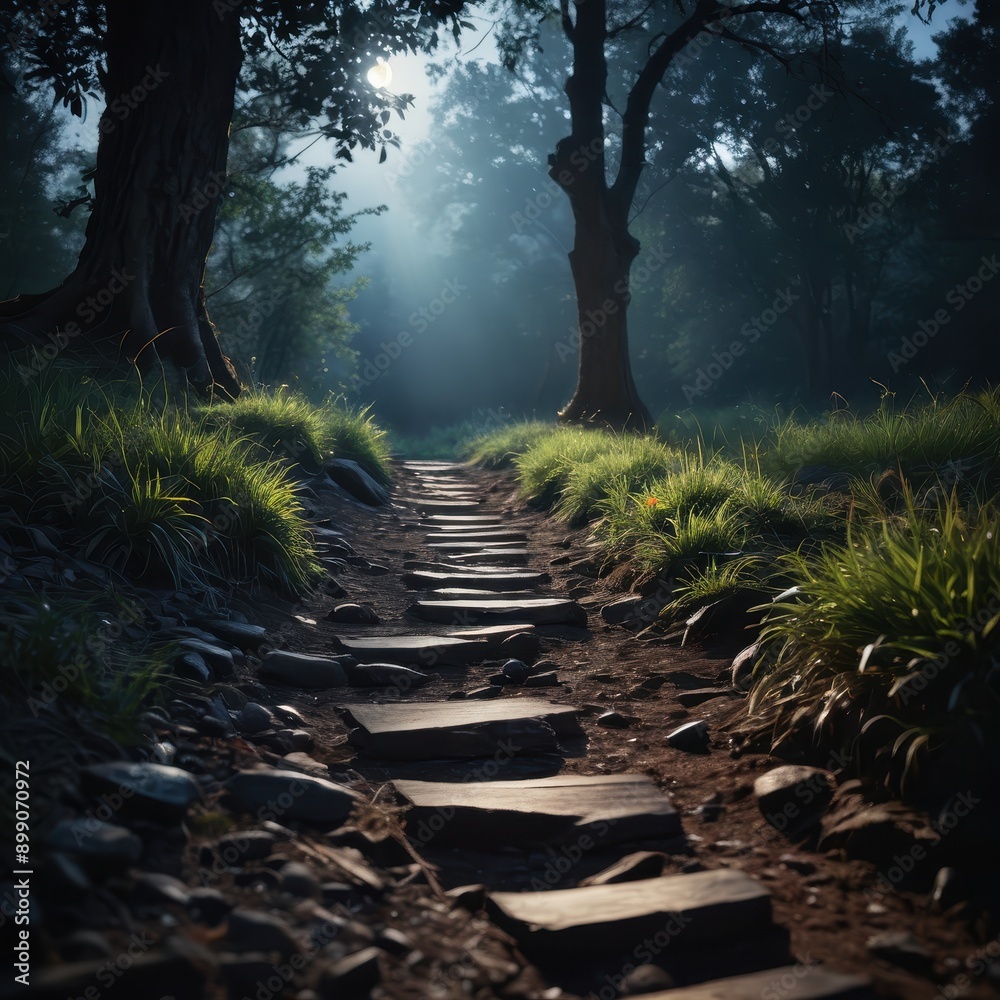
pixel 137 291
pixel 601 257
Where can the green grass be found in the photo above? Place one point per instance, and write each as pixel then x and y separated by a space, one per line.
pixel 165 493
pixel 898 628
pixel 956 441
pixel 499 448
pixel 286 425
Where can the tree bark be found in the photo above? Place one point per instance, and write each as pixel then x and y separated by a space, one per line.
pixel 137 291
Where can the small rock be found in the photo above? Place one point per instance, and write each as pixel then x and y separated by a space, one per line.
pixel 491 691
pixel 692 737
pixel 613 720
pixel 903 949
pixel 96 843
pixel 290 717
pixel 548 679
pixel 291 795
pixel 301 670
pixel 353 614
pixel 218 658
pixel 294 740
pixel 620 611
pixel 691 699
pixel 208 906
pixel 250 930
pixel 352 975
pixel 648 979
pixel 253 718
pixel 297 879
pixel 631 868
pixel 301 761
pixel 353 478
pixel 945 892
pixel 792 797
pixel 241 634
pixel 517 671
pixel 192 665
pixel 742 669
pixel 154 790
pixel 709 812
pixel 247 845
pixel 375 569
pixel 521 646
pixel 155 889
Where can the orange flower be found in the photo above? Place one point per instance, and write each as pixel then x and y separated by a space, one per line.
pixel 652 502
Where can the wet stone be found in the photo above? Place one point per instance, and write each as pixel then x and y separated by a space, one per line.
pixel 153 790
pixel 302 670
pixel 291 795
pixel 353 614
pixel 92 841
pixel 692 737
pixel 253 718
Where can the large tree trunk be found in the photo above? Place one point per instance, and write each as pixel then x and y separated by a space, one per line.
pixel 137 292
pixel 601 258
pixel 603 249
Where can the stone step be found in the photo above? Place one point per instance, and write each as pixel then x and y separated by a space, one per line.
pixel 492 557
pixel 434 520
pixel 440 506
pixel 499 535
pixel 478 545
pixel 535 611
pixel 460 729
pixel 421 651
pixel 463 593
pixel 792 982
pixel 467 578
pixel 432 465
pixel 708 908
pixel 605 809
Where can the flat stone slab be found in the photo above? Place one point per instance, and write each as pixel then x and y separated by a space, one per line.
pixel 437 579
pixel 493 633
pixel 703 908
pixel 793 982
pixel 607 809
pixel 453 537
pixel 440 506
pixel 477 545
pixel 462 519
pixel 423 650
pixel 492 557
pixel 463 593
pixel 535 611
pixel 431 465
pixel 428 730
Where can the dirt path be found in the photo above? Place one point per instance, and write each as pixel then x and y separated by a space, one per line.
pixel 825 907
pixel 480 791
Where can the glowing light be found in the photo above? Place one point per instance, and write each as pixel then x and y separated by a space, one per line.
pixel 652 502
pixel 380 75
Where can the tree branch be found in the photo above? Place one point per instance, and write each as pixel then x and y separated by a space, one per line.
pixel 567 23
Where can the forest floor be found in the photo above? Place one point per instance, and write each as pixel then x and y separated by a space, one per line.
pixel 395 908
pixel 831 905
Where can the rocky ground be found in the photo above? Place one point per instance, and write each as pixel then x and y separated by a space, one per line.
pixel 326 807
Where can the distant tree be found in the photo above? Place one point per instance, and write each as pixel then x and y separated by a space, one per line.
pixel 168 71
pixel 281 247
pixel 37 176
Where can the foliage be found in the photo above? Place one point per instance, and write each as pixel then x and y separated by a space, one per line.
pixel 163 492
pixel 898 628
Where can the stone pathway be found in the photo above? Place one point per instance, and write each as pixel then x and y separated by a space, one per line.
pixel 569 869
pixel 709 930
